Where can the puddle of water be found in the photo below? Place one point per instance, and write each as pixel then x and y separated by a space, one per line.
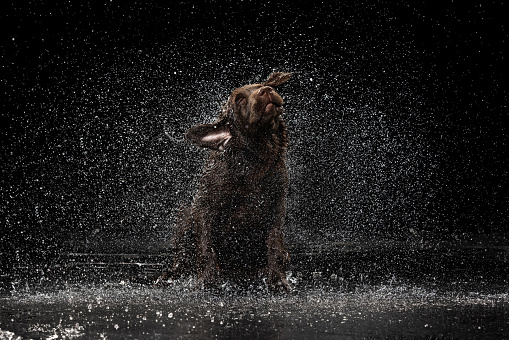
pixel 116 311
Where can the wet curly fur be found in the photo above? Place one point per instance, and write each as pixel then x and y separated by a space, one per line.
pixel 233 230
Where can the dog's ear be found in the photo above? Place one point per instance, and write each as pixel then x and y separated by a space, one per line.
pixel 277 78
pixel 212 136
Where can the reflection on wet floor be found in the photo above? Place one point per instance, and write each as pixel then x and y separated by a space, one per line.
pixel 382 311
pixel 342 292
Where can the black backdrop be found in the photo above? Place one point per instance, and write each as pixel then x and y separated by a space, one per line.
pixel 397 114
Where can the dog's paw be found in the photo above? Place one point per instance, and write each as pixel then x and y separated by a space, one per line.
pixel 282 286
pixel 277 283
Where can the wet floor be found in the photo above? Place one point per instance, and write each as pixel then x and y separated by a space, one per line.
pixel 344 291
pixel 369 312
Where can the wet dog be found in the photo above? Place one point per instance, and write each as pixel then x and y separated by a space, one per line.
pixel 233 230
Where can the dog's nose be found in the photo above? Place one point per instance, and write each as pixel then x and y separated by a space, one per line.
pixel 266 90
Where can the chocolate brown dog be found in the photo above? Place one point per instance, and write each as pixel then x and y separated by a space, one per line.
pixel 233 229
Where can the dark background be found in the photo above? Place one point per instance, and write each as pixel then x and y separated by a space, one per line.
pixel 397 115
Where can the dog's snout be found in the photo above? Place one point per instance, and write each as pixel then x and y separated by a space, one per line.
pixel 264 91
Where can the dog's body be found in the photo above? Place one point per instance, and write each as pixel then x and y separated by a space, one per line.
pixel 233 229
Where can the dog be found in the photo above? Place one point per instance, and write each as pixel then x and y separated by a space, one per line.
pixel 233 229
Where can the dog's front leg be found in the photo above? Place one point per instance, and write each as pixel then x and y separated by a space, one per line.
pixel 277 258
pixel 208 269
pixel 277 255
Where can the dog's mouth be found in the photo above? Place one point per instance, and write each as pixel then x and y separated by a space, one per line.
pixel 277 107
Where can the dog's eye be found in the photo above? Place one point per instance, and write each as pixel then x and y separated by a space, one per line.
pixel 240 100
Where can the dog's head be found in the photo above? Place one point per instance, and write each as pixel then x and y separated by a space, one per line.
pixel 251 111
